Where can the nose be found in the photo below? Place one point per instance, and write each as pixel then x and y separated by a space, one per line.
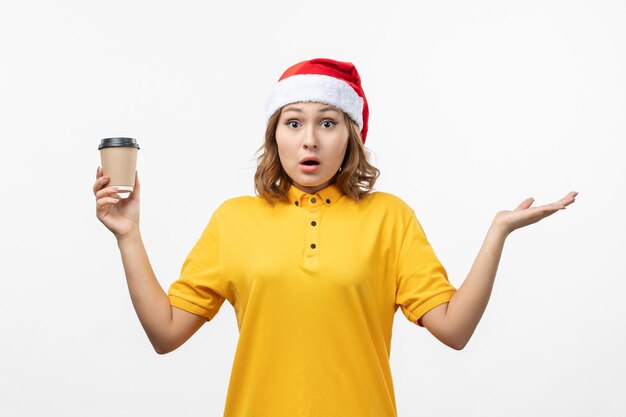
pixel 310 138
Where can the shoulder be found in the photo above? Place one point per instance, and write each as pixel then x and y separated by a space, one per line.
pixel 388 202
pixel 244 206
pixel 238 201
pixel 383 196
pixel 237 205
pixel 385 210
pixel 401 214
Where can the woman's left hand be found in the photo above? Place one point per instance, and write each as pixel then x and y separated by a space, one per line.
pixel 524 215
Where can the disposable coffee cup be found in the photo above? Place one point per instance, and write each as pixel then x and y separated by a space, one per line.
pixel 119 163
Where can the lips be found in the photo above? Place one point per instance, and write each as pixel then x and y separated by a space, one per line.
pixel 310 160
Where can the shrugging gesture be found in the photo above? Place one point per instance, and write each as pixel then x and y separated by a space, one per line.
pixel 524 215
pixel 454 322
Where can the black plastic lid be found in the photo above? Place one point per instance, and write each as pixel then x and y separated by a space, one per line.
pixel 116 142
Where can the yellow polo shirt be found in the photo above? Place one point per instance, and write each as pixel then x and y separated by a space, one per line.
pixel 315 284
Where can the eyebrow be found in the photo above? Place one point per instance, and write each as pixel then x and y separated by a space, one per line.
pixel 323 109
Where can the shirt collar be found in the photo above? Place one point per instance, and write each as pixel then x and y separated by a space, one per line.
pixel 328 196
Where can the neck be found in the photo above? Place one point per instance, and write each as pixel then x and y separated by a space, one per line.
pixel 312 189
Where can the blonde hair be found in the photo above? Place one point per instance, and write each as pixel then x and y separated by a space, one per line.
pixel 356 178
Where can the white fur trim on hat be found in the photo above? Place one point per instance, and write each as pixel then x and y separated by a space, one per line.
pixel 318 88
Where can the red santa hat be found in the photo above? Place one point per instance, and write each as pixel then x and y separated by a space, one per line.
pixel 325 81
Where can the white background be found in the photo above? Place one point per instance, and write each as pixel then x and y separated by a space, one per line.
pixel 475 106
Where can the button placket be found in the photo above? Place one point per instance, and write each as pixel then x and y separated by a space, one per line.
pixel 312 243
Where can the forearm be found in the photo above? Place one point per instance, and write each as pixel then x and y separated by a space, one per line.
pixel 470 301
pixel 151 303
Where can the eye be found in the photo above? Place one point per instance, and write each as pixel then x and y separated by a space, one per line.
pixel 290 123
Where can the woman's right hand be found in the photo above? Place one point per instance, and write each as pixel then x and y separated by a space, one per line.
pixel 120 216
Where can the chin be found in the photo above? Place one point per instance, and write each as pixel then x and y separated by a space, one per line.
pixel 310 182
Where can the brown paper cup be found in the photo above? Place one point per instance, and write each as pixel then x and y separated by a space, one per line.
pixel 119 162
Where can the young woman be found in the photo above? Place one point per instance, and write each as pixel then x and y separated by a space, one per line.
pixel 315 266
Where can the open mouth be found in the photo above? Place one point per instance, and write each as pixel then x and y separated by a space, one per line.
pixel 310 163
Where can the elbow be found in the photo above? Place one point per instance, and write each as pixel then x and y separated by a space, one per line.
pixel 162 350
pixel 456 345
pixel 458 339
pixel 161 344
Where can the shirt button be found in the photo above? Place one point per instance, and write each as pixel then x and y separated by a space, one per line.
pixel 313 200
pixel 327 201
pixel 313 245
pixel 313 223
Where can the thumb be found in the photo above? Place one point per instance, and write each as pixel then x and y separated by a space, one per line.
pixel 525 204
pixel 136 187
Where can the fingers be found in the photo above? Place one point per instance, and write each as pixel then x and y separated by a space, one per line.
pixel 569 198
pixel 107 192
pixel 99 185
pixel 559 205
pixel 100 189
pixel 100 181
pixel 565 201
pixel 105 197
pixel 106 200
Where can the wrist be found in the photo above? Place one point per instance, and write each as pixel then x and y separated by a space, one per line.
pixel 132 236
pixel 499 229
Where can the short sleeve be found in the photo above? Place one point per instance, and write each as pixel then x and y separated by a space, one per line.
pixel 421 282
pixel 200 288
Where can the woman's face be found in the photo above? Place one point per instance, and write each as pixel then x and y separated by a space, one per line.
pixel 311 130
